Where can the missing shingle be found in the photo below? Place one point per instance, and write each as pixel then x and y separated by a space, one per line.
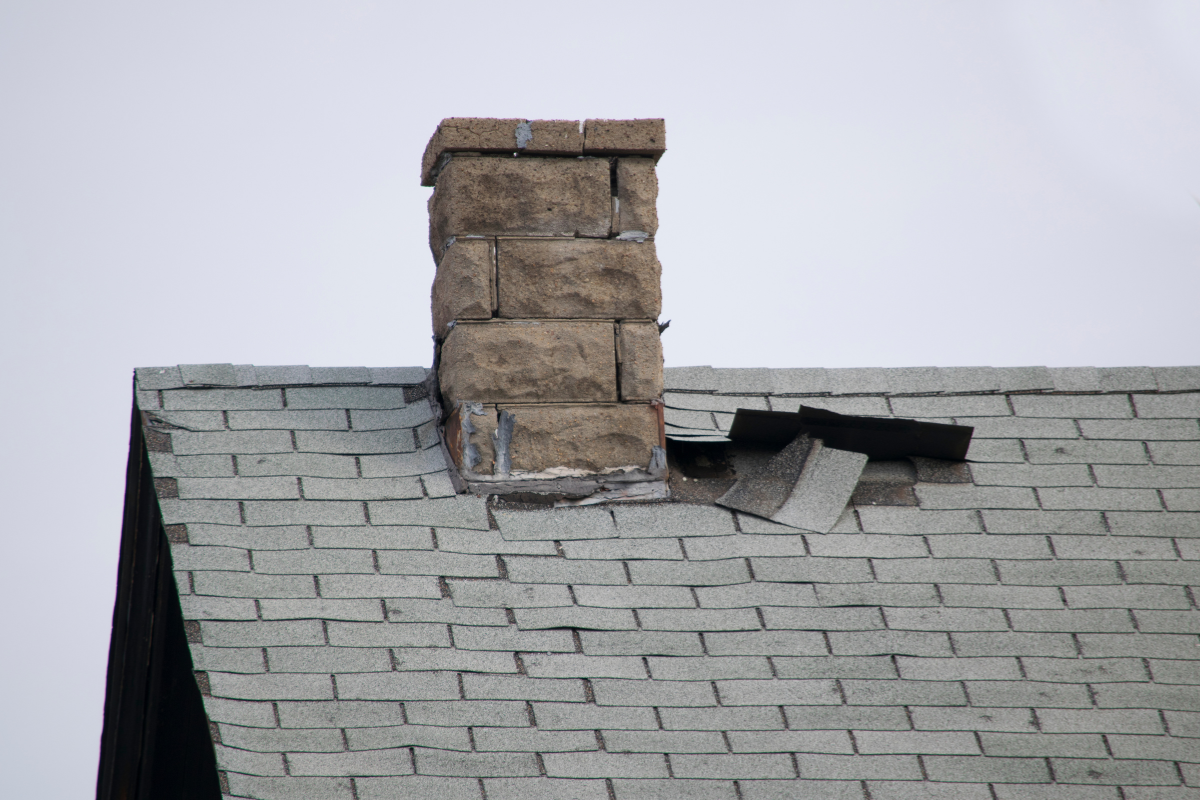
pixel 177 534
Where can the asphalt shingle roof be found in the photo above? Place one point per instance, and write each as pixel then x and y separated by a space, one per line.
pixel 360 631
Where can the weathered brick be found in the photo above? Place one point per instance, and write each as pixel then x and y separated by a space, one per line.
pixel 499 196
pixel 465 284
pixel 647 137
pixel 639 360
pixel 637 196
pixel 583 437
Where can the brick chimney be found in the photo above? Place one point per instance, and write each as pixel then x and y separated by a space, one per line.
pixel 547 296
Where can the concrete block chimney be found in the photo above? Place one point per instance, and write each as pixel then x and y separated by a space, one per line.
pixel 547 296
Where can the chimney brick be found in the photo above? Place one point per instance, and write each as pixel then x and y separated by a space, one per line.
pixel 547 293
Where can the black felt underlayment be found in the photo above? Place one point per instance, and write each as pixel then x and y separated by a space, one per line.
pixel 874 437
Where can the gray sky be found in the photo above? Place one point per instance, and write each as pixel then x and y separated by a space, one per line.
pixel 847 184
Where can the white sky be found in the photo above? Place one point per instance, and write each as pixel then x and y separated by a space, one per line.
pixel 847 184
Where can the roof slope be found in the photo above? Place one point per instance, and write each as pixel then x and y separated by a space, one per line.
pixel 362 632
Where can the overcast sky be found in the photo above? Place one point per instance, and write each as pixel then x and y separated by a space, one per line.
pixel 846 184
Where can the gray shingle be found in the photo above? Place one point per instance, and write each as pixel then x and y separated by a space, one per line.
pixel 1082 451
pixel 543 789
pixel 952 406
pixel 379 586
pixel 385 634
pixel 342 397
pixel 571 665
pixel 520 687
pixel 446 762
pixel 917 521
pixel 355 442
pixel 290 788
pixel 271 687
pixel 634 596
pixel 310 562
pixel 409 376
pixel 1043 522
pixel 867 545
pixel 415 659
pixel 1186 406
pixel 328 659
pixel 1073 406
pixel 1179 573
pixel 468 512
pixel 1177 379
pixel 1025 694
pixel 1115 547
pixel 602 765
pixel 238 488
pixel 597 619
pixel 983 769
pixel 1020 428
pixel 322 608
pixel 877 594
pixel 1157 523
pixel 288 420
pixel 511 639
pixel 652 520
pixel 151 378
pixel 307 512
pixel 221 512
pixel 637 643
pixel 709 668
pixel 360 763
pixel 823 619
pixel 1073 745
pixel 936 570
pixel 874 643
pixel 857 406
pixel 714 402
pixel 1175 452
pixel 389 419
pixel 621 741
pixel 1143 645
pixel 1007 596
pixel 390 736
pixel 228 659
pixel 743 718
pixel 764 643
pixel 563 523
pixel 1183 723
pixel 743 545
pixel 904 693
pixel 916 742
pixel 236 584
pixel 557 570
pixel 442 611
pixel 1181 672
pixel 827 767
pixel 221 399
pixel 496 713
pixel 947 619
pixel 620 549
pixel 1084 670
pixel 531 740
pixel 208 375
pixel 790 742
pixel 1143 429
pixel 1071 621
pixel 1168 621
pixel 1181 499
pixel 924 790
pixel 1031 475
pixel 297 464
pixel 189 420
pixel 834 667
pixel 958 669
pixel 616 692
pixel 362 488
pixel 1075 379
pixel 687 573
pixel 454 540
pixel 778 692
pixel 1114 499
pixel 288 537
pixel 1127 379
pixel 500 594
pixel 283 375
pixel 261 634
pixel 965 496
pixel 275 740
pixel 995 451
pixel 1163 597
pixel 1115 772
pixel 398 686
pixel 587 717
pixel 237 442
pixel 420 462
pixel 941 718
pixel 211 466
pixel 1157 747
pixel 810 569
pixel 1013 644
pixel 383 537
pixel 749 595
pixel 186 557
pixel 990 546
pixel 765 765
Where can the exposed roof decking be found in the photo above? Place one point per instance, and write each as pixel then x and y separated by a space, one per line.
pixel 356 620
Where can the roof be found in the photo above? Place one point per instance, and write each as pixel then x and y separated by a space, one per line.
pixel 361 631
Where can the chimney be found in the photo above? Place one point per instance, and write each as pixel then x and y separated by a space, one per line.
pixel 547 296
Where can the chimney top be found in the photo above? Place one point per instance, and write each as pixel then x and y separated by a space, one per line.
pixel 593 137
